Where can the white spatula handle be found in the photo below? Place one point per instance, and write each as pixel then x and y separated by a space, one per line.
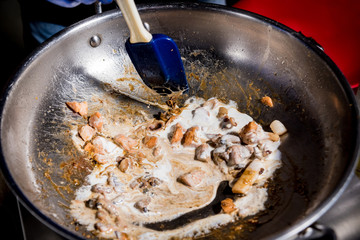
pixel 138 33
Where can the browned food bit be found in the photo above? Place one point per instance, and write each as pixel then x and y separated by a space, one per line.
pixel 193 178
pixel 150 141
pixel 107 205
pixel 202 153
pixel 189 136
pixel 78 107
pixel 157 151
pixel 228 205
pixel 170 120
pixel 156 125
pixel 228 122
pixel 91 203
pixel 98 145
pixel 222 112
pixel 177 134
pixel 251 126
pixel 96 121
pixel 248 133
pixel 103 227
pixel 125 164
pixel 267 101
pixel 121 235
pixel 101 188
pixel 154 181
pixel 145 182
pixel 89 147
pixel 119 221
pixel 101 214
pixel 273 137
pixel 171 103
pixel 102 159
pixel 142 205
pixel 248 178
pixel 126 143
pixel 86 132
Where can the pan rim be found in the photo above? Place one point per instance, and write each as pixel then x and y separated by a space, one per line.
pixel 308 42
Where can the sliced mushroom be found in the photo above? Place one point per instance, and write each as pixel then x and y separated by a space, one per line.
pixel 239 155
pixel 229 140
pixel 214 139
pixel 219 155
pixel 228 122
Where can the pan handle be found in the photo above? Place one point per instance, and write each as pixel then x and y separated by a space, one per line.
pixel 317 232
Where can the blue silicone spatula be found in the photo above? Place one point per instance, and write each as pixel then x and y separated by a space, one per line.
pixel 156 57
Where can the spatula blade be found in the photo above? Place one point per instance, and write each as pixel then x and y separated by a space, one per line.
pixel 159 64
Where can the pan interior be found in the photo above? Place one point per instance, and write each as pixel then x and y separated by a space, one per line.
pixel 242 61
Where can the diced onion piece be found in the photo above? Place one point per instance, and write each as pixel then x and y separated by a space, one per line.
pixel 278 128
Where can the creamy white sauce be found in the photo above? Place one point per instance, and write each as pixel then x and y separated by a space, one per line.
pixel 171 198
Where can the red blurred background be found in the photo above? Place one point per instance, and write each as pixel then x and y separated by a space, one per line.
pixel 334 24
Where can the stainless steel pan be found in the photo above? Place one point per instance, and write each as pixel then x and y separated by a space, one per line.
pixel 228 53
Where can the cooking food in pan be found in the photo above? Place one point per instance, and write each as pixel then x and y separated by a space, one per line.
pixel 228 54
pixel 157 170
